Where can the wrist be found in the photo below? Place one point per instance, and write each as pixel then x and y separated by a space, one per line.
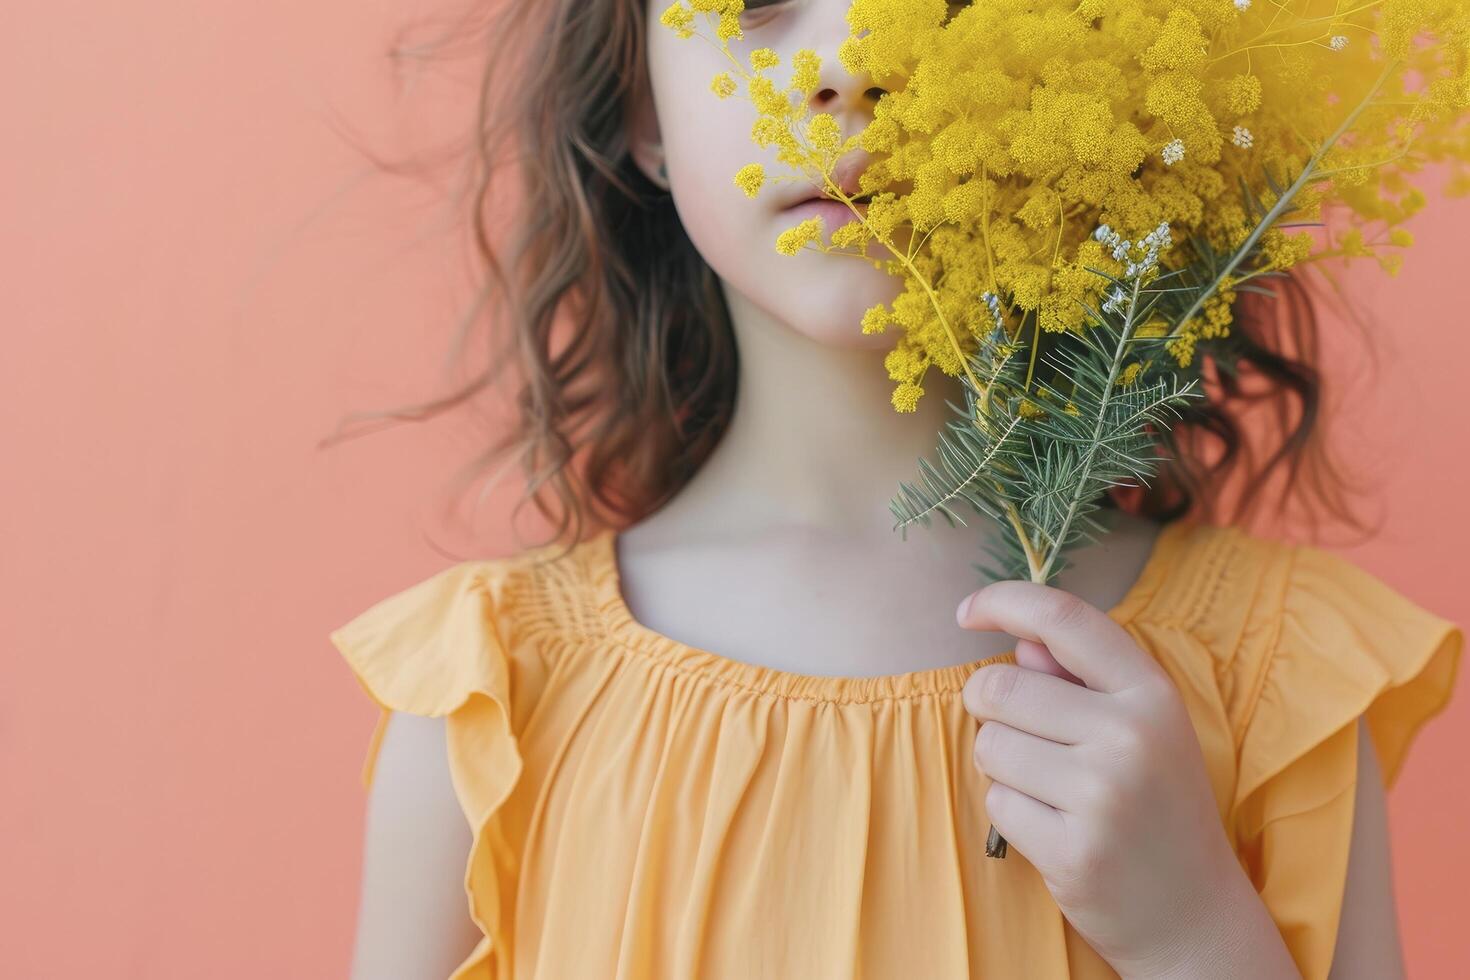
pixel 1224 931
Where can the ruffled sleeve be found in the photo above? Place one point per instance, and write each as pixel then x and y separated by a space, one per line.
pixel 436 649
pixel 1345 645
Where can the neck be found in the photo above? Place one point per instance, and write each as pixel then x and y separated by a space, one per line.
pixel 814 442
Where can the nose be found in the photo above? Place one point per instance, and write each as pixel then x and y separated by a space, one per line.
pixel 841 97
pixel 843 94
pixel 849 99
pixel 838 91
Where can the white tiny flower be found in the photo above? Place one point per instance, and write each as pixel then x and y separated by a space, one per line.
pixel 1242 4
pixel 993 301
pixel 1164 240
pixel 1338 42
pixel 1242 137
pixel 1173 151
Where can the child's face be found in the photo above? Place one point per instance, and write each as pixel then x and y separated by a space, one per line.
pixel 703 140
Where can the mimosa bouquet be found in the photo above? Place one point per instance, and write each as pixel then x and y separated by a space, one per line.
pixel 1075 192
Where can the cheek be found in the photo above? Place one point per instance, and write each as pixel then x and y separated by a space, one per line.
pixel 706 140
pixel 821 296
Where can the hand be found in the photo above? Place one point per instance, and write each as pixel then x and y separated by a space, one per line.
pixel 1103 789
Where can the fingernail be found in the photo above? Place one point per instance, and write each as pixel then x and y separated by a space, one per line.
pixel 964 608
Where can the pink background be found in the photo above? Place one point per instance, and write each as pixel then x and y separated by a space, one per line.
pixel 201 277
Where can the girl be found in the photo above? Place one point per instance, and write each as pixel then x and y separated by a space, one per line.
pixel 750 734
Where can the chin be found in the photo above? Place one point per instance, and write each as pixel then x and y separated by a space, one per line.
pixel 827 303
pixel 835 325
pixel 822 297
pixel 841 336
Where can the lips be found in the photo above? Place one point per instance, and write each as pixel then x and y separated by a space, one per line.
pixel 845 176
pixel 819 198
pixel 834 214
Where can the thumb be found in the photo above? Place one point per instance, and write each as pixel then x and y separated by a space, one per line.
pixel 1035 656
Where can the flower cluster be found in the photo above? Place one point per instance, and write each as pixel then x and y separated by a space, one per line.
pixel 1010 128
pixel 1146 262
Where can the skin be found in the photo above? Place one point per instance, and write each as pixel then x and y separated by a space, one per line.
pixel 781 552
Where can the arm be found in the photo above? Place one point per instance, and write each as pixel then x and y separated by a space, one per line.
pixel 1367 933
pixel 413 917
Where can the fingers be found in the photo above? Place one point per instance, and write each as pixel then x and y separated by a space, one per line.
pixel 1083 639
pixel 1032 827
pixel 1042 769
pixel 1042 704
pixel 1035 656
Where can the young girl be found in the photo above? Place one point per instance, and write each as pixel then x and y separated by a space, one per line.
pixel 749 734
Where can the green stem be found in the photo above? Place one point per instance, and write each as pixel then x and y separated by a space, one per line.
pixel 1096 431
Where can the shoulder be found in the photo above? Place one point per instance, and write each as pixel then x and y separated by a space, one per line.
pixel 495 582
pixel 474 634
pixel 427 642
pixel 1299 631
pixel 1283 620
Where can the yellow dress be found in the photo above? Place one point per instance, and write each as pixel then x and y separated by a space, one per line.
pixel 644 809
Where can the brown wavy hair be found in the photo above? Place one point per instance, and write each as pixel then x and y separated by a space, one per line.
pixel 627 356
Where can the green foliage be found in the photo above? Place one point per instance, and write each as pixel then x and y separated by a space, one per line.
pixel 1046 470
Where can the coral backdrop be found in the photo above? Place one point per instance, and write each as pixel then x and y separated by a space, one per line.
pixel 201 275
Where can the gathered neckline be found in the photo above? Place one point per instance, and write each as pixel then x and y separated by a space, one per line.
pixel 620 624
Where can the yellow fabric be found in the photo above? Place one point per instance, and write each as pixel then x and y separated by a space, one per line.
pixel 641 808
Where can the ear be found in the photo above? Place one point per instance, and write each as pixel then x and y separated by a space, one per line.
pixel 645 142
